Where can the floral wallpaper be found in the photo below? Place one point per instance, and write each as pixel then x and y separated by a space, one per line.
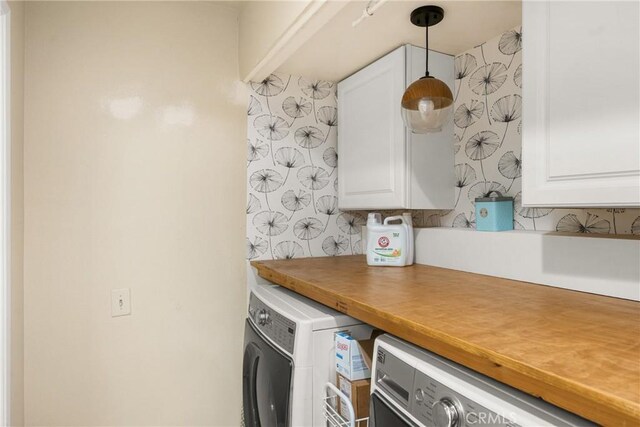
pixel 292 172
pixel 292 161
pixel 488 146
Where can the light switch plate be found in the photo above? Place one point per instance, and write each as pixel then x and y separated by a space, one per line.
pixel 120 302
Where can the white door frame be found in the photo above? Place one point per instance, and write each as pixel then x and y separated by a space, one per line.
pixel 5 219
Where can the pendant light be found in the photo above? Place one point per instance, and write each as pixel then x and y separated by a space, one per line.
pixel 427 103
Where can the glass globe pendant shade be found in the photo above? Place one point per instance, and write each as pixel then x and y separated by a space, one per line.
pixel 427 105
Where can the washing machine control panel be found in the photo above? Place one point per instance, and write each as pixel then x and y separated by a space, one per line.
pixel 274 325
pixel 437 405
pixel 428 400
pixel 437 392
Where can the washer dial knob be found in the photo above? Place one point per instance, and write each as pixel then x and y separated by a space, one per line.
pixel 263 317
pixel 446 413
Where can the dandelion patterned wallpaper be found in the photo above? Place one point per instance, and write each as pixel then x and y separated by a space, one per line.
pixel 291 172
pixel 291 161
pixel 488 146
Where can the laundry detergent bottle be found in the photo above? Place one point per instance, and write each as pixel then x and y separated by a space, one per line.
pixel 388 244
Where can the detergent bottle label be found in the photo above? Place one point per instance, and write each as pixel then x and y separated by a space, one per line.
pixel 387 248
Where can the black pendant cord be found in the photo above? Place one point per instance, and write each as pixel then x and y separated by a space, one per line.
pixel 426 16
pixel 426 61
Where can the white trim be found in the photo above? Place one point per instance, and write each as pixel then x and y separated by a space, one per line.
pixel 5 225
pixel 312 18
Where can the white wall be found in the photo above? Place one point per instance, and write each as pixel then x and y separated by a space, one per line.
pixel 134 167
pixel 17 211
pixel 570 261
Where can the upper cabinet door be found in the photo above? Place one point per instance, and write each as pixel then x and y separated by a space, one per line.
pixel 581 138
pixel 371 136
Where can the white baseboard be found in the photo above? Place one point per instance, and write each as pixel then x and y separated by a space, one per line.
pixel 599 265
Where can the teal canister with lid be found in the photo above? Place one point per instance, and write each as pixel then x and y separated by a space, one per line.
pixel 494 212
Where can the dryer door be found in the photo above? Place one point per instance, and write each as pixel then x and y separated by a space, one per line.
pixel 266 382
pixel 383 415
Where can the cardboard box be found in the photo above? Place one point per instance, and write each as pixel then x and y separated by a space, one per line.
pixel 358 393
pixel 353 357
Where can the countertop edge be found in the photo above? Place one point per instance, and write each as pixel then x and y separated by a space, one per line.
pixel 587 402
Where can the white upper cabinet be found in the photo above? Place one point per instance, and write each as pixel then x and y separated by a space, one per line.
pixel 382 164
pixel 581 95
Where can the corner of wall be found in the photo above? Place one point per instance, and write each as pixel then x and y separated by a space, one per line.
pixel 17 10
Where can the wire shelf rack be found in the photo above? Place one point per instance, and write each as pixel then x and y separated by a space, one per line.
pixel 333 417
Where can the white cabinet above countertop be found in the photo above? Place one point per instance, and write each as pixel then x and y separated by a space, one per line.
pixel 382 164
pixel 581 104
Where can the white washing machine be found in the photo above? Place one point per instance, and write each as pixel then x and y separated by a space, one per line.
pixel 289 357
pixel 414 387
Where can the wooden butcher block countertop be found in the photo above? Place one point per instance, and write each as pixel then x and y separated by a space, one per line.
pixel 576 350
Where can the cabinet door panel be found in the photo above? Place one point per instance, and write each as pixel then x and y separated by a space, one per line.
pixel 371 140
pixel 430 156
pixel 581 138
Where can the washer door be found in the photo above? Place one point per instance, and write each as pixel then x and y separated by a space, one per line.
pixel 266 382
pixel 383 415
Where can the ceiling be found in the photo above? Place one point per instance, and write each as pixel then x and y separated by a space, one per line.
pixel 337 50
pixel 234 4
